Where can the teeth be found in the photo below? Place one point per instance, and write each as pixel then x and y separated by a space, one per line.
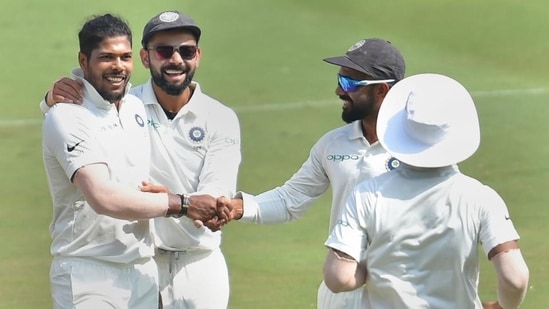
pixel 174 72
pixel 115 79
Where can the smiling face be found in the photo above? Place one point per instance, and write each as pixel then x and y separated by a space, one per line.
pixel 361 103
pixel 175 73
pixel 108 68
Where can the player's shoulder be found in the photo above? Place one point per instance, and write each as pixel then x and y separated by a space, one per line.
pixel 68 112
pixel 213 107
pixel 473 192
pixel 67 117
pixel 341 133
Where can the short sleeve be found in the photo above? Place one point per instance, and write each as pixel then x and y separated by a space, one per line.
pixel 496 226
pixel 349 234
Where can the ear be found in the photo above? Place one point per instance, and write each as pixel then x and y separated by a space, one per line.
pixel 198 56
pixel 145 59
pixel 83 61
pixel 382 89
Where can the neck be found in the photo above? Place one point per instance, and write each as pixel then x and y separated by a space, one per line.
pixel 369 130
pixel 172 103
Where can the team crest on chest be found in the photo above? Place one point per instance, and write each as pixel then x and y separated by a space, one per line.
pixel 392 163
pixel 197 134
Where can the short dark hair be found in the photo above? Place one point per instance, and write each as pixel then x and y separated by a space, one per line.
pixel 101 27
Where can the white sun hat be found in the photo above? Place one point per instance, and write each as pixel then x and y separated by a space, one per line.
pixel 428 120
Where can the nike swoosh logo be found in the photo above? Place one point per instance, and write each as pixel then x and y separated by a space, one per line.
pixel 71 148
pixel 507 218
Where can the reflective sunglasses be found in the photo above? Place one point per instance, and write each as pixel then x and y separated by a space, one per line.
pixel 187 52
pixel 349 85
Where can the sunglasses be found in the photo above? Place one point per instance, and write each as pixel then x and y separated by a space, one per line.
pixel 187 52
pixel 349 85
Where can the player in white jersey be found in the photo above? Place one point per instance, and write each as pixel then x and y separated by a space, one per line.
pixel 410 238
pixel 195 149
pixel 96 155
pixel 343 156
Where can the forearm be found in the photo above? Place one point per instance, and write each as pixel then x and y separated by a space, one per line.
pixel 264 209
pixel 120 201
pixel 44 106
pixel 513 276
pixel 125 203
pixel 275 206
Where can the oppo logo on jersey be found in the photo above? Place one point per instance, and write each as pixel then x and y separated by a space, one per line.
pixel 342 157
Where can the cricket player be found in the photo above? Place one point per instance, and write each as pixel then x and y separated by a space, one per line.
pixel 340 158
pixel 96 155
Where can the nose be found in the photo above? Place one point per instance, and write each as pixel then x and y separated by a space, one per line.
pixel 117 63
pixel 339 91
pixel 176 57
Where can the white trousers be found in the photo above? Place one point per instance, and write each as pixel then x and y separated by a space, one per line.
pixel 193 280
pixel 88 283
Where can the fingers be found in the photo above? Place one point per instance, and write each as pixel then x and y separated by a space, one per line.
pixel 66 90
pixel 209 211
pixel 198 223
pixel 214 224
pixel 148 187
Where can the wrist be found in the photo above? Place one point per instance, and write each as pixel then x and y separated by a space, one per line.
pixel 175 206
pixel 238 209
pixel 48 99
pixel 185 202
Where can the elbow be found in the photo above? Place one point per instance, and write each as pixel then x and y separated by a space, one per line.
pixel 339 279
pixel 518 283
pixel 335 283
pixel 513 285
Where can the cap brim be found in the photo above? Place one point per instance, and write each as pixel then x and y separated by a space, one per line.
pixel 343 61
pixel 459 144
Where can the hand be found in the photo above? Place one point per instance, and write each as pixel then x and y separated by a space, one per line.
pixel 202 207
pixel 491 305
pixel 223 214
pixel 65 90
pixel 232 209
pixel 227 210
pixel 149 187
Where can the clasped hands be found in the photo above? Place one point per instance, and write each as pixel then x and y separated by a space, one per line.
pixel 204 209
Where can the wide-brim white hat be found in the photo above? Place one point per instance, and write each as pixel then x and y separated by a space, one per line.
pixel 428 120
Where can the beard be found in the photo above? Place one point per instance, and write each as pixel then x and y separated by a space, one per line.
pixel 172 88
pixel 105 90
pixel 358 109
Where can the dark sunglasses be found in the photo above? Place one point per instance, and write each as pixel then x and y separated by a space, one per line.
pixel 187 52
pixel 349 85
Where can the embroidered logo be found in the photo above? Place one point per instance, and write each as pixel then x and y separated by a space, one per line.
pixel 168 17
pixel 71 148
pixel 356 46
pixel 392 163
pixel 197 134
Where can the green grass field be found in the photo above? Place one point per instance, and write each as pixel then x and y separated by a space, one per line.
pixel 263 58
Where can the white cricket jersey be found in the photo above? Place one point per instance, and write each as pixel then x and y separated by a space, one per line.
pixel 198 151
pixel 339 159
pixel 419 231
pixel 95 132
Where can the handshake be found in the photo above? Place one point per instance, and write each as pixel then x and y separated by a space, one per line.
pixel 206 210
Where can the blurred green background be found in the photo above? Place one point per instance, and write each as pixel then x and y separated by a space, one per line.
pixel 263 58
